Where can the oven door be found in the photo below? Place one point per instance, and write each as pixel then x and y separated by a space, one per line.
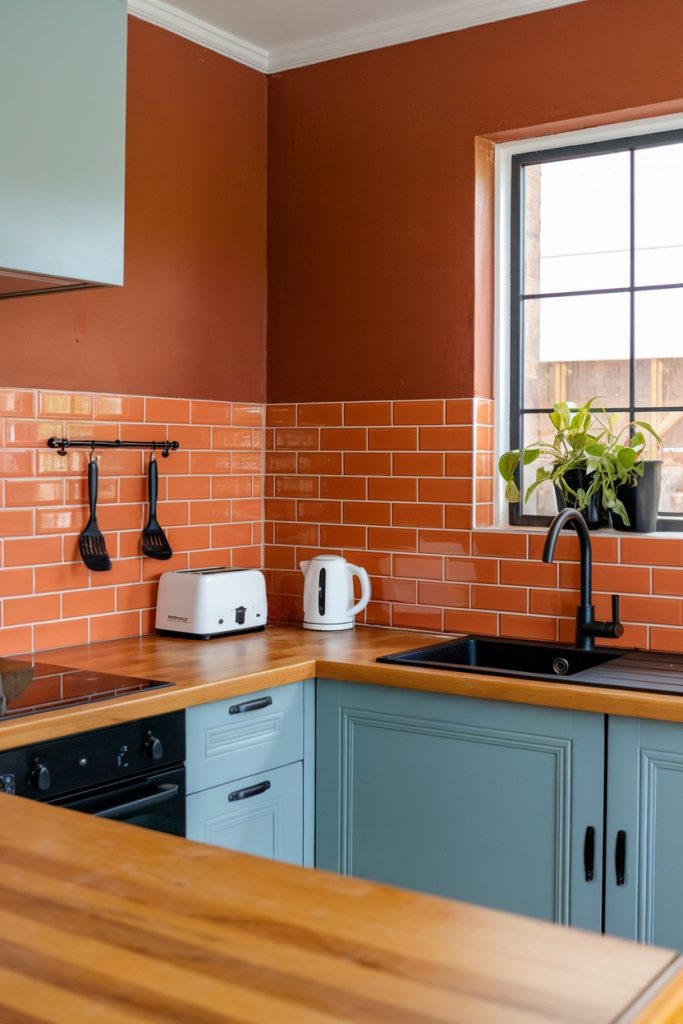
pixel 155 801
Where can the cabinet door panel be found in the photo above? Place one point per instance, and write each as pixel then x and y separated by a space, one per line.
pixel 463 798
pixel 62 125
pixel 266 824
pixel 230 739
pixel 645 801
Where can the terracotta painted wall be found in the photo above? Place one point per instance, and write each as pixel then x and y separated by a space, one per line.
pixel 211 508
pixel 372 187
pixel 191 318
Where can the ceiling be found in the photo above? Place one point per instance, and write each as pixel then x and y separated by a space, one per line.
pixel 273 35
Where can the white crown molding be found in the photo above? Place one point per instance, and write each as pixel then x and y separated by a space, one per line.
pixel 172 18
pixel 429 22
pixel 433 21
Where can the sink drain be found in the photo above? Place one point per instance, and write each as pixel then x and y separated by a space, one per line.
pixel 561 666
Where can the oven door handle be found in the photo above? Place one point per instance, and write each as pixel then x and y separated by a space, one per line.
pixel 166 791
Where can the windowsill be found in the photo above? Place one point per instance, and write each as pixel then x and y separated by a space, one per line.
pixel 602 532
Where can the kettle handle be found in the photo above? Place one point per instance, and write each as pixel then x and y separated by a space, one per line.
pixel 365 589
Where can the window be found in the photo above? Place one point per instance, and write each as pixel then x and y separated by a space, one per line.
pixel 596 295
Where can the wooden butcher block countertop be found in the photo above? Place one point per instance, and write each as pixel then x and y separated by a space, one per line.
pixel 106 923
pixel 210 670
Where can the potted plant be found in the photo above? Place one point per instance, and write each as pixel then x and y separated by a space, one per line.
pixel 591 464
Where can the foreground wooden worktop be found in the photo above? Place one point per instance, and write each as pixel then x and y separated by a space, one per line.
pixel 204 671
pixel 103 922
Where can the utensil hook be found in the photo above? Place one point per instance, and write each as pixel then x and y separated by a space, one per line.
pixel 91 454
pixel 153 456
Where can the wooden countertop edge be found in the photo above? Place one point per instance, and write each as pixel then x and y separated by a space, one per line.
pixel 286 654
pixel 661 1002
pixel 571 696
pixel 99 714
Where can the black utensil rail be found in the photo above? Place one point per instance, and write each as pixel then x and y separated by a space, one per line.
pixel 63 443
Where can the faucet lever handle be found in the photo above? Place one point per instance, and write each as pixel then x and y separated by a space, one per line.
pixel 613 629
pixel 615 608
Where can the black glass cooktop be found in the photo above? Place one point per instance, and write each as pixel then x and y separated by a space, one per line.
pixel 28 686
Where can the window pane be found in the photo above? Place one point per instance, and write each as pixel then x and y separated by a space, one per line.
pixel 659 347
pixel 659 215
pixel 577 228
pixel 670 426
pixel 576 348
pixel 537 427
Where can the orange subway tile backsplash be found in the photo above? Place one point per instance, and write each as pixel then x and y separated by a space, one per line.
pixel 210 507
pixel 667 581
pixel 368 414
pixel 353 488
pixel 402 488
pixel 420 413
pixel 418 514
pixel 446 439
pixel 435 564
pixel 167 410
pixel 343 439
pixel 392 439
pixel 367 464
pixel 420 464
pixel 323 415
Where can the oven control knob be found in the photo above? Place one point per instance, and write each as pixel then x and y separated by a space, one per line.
pixel 40 776
pixel 153 748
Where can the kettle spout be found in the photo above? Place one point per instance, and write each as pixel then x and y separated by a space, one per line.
pixel 304 566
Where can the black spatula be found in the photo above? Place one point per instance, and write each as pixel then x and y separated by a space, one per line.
pixel 154 543
pixel 91 542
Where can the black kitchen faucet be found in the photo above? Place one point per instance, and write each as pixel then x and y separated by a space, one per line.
pixel 587 627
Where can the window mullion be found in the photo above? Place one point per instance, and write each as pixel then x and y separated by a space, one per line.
pixel 632 284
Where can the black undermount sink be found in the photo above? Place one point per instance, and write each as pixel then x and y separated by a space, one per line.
pixel 503 656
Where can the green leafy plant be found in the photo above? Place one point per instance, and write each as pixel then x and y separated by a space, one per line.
pixel 585 439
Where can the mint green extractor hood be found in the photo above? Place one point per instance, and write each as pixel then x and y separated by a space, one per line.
pixel 62 138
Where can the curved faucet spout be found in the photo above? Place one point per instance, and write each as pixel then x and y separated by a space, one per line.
pixel 571 515
pixel 586 625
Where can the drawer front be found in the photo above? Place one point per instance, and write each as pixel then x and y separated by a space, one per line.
pixel 244 735
pixel 261 815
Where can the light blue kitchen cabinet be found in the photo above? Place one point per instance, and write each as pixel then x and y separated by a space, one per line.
pixel 250 772
pixel 261 815
pixel 477 800
pixel 644 835
pixel 230 739
pixel 62 148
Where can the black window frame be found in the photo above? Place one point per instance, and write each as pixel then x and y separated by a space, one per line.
pixel 627 143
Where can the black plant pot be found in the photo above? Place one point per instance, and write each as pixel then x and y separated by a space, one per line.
pixel 595 515
pixel 641 501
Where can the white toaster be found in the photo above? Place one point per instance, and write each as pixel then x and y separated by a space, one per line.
pixel 203 603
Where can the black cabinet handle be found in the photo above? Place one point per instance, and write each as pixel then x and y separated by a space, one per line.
pixel 620 857
pixel 589 853
pixel 250 705
pixel 243 794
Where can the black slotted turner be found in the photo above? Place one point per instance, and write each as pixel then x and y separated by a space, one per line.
pixel 154 542
pixel 91 542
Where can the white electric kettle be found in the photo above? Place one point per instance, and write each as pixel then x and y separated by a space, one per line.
pixel 328 592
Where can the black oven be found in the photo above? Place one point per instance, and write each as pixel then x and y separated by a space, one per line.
pixel 133 772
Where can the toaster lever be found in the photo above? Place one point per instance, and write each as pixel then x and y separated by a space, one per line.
pixel 240 615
